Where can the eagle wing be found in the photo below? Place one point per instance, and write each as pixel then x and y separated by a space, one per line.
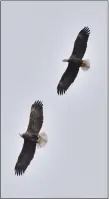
pixel 36 118
pixel 67 78
pixel 25 157
pixel 80 43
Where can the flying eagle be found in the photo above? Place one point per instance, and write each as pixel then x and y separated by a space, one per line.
pixel 75 61
pixel 32 138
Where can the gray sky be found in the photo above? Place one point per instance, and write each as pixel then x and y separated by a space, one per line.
pixel 36 36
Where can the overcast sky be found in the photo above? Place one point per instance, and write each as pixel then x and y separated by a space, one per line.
pixel 36 36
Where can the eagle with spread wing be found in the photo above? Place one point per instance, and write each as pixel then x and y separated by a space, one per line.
pixel 75 61
pixel 32 138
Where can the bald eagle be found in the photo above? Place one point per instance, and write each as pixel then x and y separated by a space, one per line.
pixel 32 138
pixel 75 61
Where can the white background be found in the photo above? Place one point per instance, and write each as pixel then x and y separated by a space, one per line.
pixel 36 36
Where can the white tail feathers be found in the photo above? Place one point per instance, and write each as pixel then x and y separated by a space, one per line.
pixel 42 140
pixel 85 65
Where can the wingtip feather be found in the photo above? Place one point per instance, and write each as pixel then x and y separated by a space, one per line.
pixel 38 103
pixel 60 89
pixel 86 30
pixel 18 170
